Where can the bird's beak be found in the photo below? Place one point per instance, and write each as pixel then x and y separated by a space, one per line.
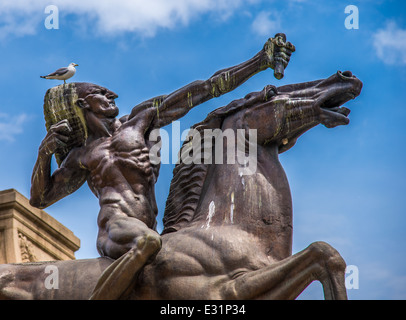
pixel 75 65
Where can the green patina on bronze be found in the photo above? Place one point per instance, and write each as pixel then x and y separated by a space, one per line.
pixel 60 104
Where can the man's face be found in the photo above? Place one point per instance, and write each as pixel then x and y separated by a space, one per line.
pixel 101 101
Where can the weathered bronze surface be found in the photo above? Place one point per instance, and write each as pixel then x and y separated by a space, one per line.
pixel 227 235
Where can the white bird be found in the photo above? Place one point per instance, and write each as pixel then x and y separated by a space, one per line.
pixel 62 73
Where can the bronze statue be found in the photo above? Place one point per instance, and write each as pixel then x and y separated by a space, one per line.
pixel 223 237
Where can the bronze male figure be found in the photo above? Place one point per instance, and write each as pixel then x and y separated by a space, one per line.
pixel 114 160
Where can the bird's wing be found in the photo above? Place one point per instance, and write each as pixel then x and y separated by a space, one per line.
pixel 59 72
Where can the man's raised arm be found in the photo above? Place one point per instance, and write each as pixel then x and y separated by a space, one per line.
pixel 275 55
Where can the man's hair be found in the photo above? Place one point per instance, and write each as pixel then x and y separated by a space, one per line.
pixel 60 104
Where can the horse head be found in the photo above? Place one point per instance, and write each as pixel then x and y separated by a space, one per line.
pixel 289 111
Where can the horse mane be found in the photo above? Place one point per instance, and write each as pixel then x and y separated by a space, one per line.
pixel 188 178
pixel 186 184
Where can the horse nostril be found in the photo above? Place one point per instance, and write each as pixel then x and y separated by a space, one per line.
pixel 347 74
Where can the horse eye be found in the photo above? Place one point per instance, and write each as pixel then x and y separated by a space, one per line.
pixel 270 91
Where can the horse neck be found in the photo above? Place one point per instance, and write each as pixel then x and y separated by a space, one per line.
pixel 259 203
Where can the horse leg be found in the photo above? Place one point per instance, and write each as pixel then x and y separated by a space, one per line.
pixel 287 278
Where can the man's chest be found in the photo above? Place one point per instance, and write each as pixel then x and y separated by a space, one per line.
pixel 122 145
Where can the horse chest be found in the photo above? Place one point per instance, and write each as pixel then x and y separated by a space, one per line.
pixel 213 251
pixel 200 259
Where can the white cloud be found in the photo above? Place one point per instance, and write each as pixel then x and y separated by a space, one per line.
pixel 390 44
pixel 266 23
pixel 11 126
pixel 21 17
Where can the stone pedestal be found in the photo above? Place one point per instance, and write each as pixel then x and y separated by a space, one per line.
pixel 28 234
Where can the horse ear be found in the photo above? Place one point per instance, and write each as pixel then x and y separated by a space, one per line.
pixel 82 104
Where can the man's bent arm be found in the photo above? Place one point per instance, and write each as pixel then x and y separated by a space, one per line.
pixel 46 189
pixel 40 180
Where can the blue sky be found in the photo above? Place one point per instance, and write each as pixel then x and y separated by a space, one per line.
pixel 347 183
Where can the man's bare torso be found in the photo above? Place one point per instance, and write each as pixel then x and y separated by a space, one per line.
pixel 121 175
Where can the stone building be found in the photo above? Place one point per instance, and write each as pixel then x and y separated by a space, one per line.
pixel 28 234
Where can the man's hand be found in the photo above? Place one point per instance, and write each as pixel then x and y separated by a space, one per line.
pixel 278 53
pixel 57 137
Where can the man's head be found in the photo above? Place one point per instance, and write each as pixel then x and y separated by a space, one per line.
pixel 97 99
pixel 72 102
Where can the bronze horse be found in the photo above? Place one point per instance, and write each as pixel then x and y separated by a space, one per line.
pixel 227 235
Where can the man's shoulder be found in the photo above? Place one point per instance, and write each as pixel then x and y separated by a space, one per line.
pixel 75 157
pixel 124 119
